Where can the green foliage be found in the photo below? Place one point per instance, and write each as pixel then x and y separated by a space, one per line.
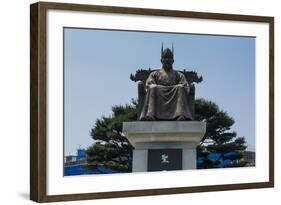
pixel 218 138
pixel 111 149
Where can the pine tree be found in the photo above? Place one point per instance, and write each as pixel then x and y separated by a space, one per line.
pixel 111 148
pixel 220 146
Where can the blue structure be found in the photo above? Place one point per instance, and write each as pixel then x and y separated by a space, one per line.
pixel 80 169
pixel 214 156
pixel 76 165
pixel 249 156
pixel 81 154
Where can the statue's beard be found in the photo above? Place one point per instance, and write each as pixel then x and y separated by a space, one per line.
pixel 167 66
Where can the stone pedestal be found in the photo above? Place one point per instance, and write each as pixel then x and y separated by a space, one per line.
pixel 172 143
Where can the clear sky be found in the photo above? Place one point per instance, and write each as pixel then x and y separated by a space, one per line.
pixel 98 64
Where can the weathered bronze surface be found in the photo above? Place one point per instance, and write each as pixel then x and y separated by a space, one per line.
pixel 166 94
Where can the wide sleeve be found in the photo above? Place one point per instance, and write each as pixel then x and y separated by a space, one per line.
pixel 182 80
pixel 150 80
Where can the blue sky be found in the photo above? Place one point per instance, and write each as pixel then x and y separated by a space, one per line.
pixel 98 64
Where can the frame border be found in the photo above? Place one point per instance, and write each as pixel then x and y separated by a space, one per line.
pixel 38 95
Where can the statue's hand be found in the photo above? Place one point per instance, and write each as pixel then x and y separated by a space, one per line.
pixel 184 86
pixel 152 85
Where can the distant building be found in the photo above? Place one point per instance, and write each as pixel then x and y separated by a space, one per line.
pixel 76 159
pixel 76 165
pixel 81 154
pixel 69 158
pixel 250 156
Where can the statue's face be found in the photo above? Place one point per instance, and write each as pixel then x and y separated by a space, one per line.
pixel 167 59
pixel 167 62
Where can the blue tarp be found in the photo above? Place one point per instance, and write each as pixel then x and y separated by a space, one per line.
pixel 80 169
pixel 215 156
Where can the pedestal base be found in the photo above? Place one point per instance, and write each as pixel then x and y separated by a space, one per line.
pixel 164 145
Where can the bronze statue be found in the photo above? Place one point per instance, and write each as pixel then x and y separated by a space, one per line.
pixel 166 94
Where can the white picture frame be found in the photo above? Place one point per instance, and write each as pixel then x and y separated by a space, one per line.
pixel 47 180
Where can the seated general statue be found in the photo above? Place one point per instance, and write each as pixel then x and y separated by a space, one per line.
pixel 167 93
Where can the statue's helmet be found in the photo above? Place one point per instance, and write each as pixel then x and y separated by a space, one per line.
pixel 167 53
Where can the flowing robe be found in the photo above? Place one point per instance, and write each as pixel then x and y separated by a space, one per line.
pixel 166 96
